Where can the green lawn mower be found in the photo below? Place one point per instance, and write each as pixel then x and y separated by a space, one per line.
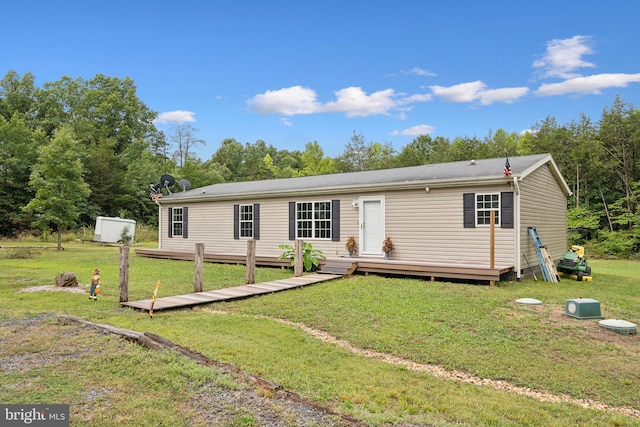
pixel 574 264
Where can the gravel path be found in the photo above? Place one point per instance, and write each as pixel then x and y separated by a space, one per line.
pixel 440 372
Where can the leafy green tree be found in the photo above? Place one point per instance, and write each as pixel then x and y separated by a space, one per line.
pixel 355 154
pixel 381 156
pixel 230 157
pixel 158 145
pixel 18 152
pixel 314 162
pixel 467 148
pixel 619 135
pixel 253 160
pixel 17 96
pixel 417 152
pixel 58 184
pixel 106 116
pixel 200 174
pixel 501 142
pixel 143 167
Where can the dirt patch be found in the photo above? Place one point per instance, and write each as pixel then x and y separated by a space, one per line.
pixel 588 327
pixel 32 344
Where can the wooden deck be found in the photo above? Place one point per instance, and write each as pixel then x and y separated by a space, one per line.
pixel 432 271
pixel 227 294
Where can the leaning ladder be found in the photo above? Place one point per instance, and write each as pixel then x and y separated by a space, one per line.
pixel 548 268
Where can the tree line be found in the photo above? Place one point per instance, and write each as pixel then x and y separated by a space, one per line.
pixel 74 149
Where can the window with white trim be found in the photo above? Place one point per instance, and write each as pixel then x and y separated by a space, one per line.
pixel 313 220
pixel 246 221
pixel 177 221
pixel 485 203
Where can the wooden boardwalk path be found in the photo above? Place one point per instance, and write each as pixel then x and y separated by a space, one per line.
pixel 226 294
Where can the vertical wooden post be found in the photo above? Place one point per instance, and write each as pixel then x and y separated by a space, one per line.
pixel 251 262
pixel 123 285
pixel 492 244
pixel 298 267
pixel 199 261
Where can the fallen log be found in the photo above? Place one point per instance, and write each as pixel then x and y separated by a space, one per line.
pixel 158 343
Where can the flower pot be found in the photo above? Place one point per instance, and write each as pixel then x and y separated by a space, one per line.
pixel 387 255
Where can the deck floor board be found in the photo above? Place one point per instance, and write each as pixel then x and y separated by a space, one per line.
pixel 227 294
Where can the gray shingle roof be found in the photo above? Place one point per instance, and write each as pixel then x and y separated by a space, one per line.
pixel 424 174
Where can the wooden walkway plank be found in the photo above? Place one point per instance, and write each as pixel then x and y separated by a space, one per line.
pixel 227 294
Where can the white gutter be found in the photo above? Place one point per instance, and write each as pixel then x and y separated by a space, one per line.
pixel 516 188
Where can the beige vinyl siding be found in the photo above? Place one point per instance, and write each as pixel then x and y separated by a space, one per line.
pixel 424 226
pixel 211 223
pixel 428 226
pixel 544 206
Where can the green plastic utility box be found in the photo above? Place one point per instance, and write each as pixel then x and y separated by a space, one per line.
pixel 583 308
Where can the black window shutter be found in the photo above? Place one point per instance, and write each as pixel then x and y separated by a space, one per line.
pixel 185 222
pixel 469 201
pixel 236 222
pixel 256 221
pixel 506 209
pixel 170 213
pixel 335 220
pixel 292 220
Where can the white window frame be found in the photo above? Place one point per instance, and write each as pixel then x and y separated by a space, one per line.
pixel 177 213
pixel 494 205
pixel 320 221
pixel 246 216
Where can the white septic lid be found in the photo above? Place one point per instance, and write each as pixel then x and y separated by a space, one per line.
pixel 619 326
pixel 531 301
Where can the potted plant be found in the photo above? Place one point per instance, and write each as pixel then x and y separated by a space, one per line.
pixel 387 247
pixel 351 245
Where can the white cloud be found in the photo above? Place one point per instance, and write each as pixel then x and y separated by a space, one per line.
pixel 353 101
pixel 287 101
pixel 564 56
pixel 463 92
pixel 475 91
pixel 420 72
pixel 416 98
pixel 505 95
pixel 415 130
pixel 176 117
pixel 356 103
pixel 590 84
pixel 285 121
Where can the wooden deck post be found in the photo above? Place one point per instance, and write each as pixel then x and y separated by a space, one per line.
pixel 298 267
pixel 251 262
pixel 199 261
pixel 492 244
pixel 123 285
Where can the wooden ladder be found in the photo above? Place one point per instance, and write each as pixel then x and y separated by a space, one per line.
pixel 338 266
pixel 547 266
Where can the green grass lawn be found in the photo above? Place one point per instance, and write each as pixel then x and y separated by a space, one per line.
pixel 471 328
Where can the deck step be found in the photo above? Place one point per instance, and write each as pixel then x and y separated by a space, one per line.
pixel 341 267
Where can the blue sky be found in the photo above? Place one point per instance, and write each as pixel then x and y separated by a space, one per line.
pixel 292 72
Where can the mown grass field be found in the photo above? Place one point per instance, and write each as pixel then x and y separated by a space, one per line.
pixel 470 328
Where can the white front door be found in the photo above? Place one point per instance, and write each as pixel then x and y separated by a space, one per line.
pixel 371 225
